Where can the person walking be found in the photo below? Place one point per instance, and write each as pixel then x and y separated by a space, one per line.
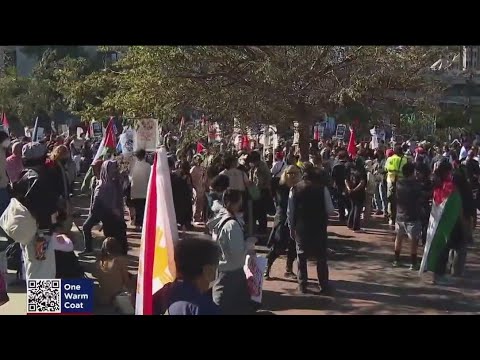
pixel 280 239
pixel 139 177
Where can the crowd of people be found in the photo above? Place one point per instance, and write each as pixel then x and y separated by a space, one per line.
pixel 230 195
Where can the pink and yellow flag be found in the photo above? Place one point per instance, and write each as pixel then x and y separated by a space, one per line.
pixel 156 266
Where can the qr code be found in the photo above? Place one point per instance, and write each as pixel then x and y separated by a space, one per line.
pixel 43 296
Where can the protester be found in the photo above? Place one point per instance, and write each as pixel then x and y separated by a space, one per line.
pixel 408 221
pixel 447 208
pixel 339 172
pixel 369 191
pixel 111 271
pixel 91 220
pixel 4 196
pixel 355 183
pixel 381 187
pixel 309 205
pixel 182 197
pixel 230 290
pixel 260 176
pixel 108 204
pixel 196 263
pixel 14 165
pixel 393 166
pixel 139 177
pixel 280 239
pixel 198 175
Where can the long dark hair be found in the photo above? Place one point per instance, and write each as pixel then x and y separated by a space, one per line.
pixel 110 249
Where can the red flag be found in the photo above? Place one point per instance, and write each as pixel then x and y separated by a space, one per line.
pixel 352 149
pixel 110 139
pixel 5 123
pixel 245 143
pixel 200 148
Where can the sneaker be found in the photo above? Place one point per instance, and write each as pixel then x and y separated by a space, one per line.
pixel 396 263
pixel 415 267
pixel 391 223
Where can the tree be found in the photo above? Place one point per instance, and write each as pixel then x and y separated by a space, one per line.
pixel 266 84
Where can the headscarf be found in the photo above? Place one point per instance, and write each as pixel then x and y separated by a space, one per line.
pixel 109 191
pixel 14 165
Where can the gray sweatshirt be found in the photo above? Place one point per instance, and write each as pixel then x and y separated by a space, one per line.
pixel 231 241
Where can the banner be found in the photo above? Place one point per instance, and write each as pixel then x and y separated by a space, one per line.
pixel 146 135
pixel 156 264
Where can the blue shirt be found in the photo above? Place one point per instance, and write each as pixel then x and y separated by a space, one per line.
pixel 183 298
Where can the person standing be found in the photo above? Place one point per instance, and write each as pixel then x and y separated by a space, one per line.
pixel 280 239
pixel 198 174
pixel 393 166
pixel 309 205
pixel 339 175
pixel 355 183
pixel 381 187
pixel 4 196
pixel 409 200
pixel 139 177
pixel 260 176
pixel 14 166
pixel 230 290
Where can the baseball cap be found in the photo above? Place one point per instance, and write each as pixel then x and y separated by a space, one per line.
pixel 33 151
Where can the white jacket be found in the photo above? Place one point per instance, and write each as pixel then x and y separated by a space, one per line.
pixel 139 177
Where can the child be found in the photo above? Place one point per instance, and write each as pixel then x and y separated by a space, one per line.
pixel 111 271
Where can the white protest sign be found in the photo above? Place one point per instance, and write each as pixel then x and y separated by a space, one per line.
pixel 254 268
pixel 79 131
pixel 126 141
pixel 146 135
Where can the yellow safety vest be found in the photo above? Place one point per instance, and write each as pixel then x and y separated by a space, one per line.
pixel 393 166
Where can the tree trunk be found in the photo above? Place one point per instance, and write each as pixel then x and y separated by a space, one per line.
pixel 304 127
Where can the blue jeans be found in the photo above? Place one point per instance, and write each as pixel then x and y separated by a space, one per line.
pixel 381 196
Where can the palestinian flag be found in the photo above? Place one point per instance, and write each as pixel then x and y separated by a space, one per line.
pixel 109 141
pixel 446 209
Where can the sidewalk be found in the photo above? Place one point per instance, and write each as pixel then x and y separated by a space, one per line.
pixel 365 283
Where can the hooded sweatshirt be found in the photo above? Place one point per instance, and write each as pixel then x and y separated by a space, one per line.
pixel 230 238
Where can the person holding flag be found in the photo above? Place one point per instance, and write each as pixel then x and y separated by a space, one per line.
pixel 445 225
